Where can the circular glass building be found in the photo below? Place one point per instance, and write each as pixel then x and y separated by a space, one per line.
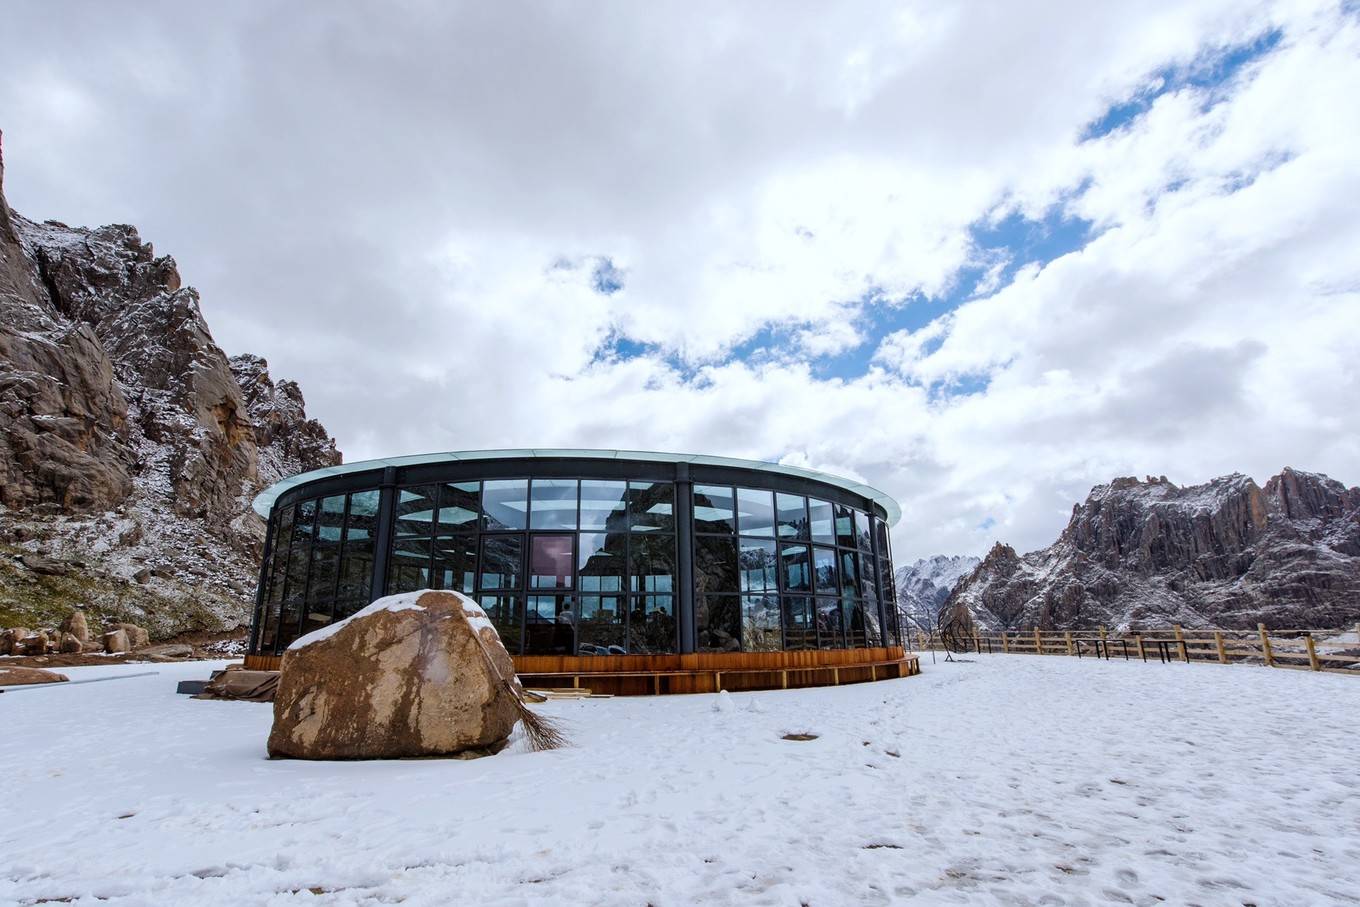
pixel 589 554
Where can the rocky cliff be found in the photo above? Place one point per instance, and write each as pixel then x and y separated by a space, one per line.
pixel 1148 553
pixel 924 587
pixel 130 446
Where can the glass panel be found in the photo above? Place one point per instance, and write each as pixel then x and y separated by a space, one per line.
pixel 651 506
pixel 822 519
pixel 549 625
pixel 604 505
pixel 505 504
pixel 601 561
pixel 792 517
pixel 408 568
pixel 299 555
pixel 715 564
pixel 800 629
pixel 760 630
pixel 845 526
pixel 863 626
pixel 652 563
pixel 505 615
pixel 714 509
pixel 459 507
pixel 550 561
pixel 330 526
pixel 796 566
pixel 414 517
pixel 600 628
pixel 849 575
pixel 830 629
pixel 718 623
pixel 755 511
pixel 651 624
pixel 758 565
pixel 356 558
pixel 824 570
pixel 553 504
pixel 864 533
pixel 455 562
pixel 269 629
pixel 502 558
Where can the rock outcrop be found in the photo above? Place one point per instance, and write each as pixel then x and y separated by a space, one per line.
pixel 130 445
pixel 16 675
pixel 1148 553
pixel 924 587
pixel 420 674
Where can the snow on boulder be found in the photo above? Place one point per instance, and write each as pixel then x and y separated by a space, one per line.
pixel 418 674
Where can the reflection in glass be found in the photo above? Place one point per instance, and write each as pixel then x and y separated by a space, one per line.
pixel 756 512
pixel 864 533
pixel 824 570
pixel 408 566
pixel 414 515
pixel 330 527
pixel 849 575
pixel 651 624
pixel 715 564
pixel 600 627
pixel 505 616
pixel 459 507
pixel 604 505
pixel 758 565
pixel 718 623
pixel 549 625
pixel 553 504
pixel 299 555
pixel 792 516
pixel 601 561
pixel 845 526
pixel 800 627
pixel 356 557
pixel 760 625
pixel 278 580
pixel 505 504
pixel 797 568
pixel 502 558
pixel 651 506
pixel 550 561
pixel 822 518
pixel 714 509
pixel 830 626
pixel 652 567
pixel 455 562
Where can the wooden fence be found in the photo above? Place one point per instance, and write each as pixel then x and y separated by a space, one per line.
pixel 1337 651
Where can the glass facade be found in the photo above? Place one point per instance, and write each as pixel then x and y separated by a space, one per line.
pixel 591 564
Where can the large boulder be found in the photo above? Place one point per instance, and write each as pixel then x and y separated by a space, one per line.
pixel 14 675
pixel 137 637
pixel 419 674
pixel 77 626
pixel 116 642
pixel 11 640
pixel 70 645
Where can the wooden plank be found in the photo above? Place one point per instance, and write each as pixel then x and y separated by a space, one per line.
pixel 1069 642
pixel 1265 645
pixel 1312 652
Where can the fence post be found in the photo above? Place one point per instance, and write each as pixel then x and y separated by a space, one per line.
pixel 1069 642
pixel 1180 638
pixel 1038 643
pixel 1312 652
pixel 1142 653
pixel 1218 641
pixel 977 644
pixel 1265 646
pixel 1005 647
pixel 1102 634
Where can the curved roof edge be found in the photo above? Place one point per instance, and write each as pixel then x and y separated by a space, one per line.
pixel 264 501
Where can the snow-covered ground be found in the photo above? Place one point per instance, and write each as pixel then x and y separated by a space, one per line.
pixel 1006 780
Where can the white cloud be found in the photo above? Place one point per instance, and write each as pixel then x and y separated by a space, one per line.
pixel 378 206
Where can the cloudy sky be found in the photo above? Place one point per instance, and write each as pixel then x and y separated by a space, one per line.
pixel 982 256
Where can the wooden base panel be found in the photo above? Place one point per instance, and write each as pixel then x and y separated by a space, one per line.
pixel 708 672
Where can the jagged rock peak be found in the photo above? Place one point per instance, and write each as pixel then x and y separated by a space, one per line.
pixel 1143 553
pixel 288 441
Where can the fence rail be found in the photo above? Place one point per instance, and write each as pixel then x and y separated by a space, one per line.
pixel 1334 651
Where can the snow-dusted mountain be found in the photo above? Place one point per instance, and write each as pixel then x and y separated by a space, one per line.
pixel 923 587
pixel 1148 553
pixel 130 445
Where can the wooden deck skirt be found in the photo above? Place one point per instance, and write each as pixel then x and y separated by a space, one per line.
pixel 709 672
